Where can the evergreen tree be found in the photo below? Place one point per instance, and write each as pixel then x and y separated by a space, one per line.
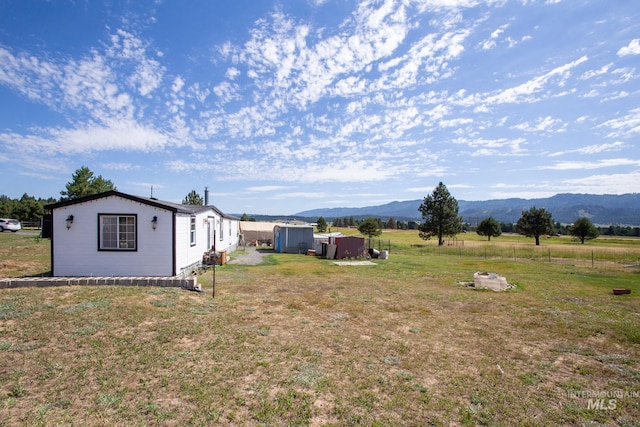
pixel 583 229
pixel 370 227
pixel 489 227
pixel 535 223
pixel 322 224
pixel 84 183
pixel 246 217
pixel 29 209
pixel 506 227
pixel 440 213
pixel 193 198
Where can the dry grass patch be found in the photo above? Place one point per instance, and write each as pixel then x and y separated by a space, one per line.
pixel 24 255
pixel 300 341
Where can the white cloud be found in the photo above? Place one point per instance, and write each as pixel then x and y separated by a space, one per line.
pixel 605 184
pixel 604 163
pixel 305 69
pixel 90 86
pixel 455 122
pixel 119 166
pixel 386 94
pixel 545 124
pixel 226 92
pixel 427 60
pixel 595 73
pixel 114 136
pixel 633 48
pixel 148 72
pixel 446 4
pixel 624 127
pixel 528 92
pixel 299 195
pixel 265 188
pixel 592 149
pixel 178 84
pixel 232 73
pixel 492 147
pixel 490 43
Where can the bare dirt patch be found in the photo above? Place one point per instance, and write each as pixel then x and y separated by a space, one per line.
pixel 250 256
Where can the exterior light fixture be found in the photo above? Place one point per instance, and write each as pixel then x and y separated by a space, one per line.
pixel 69 221
pixel 154 222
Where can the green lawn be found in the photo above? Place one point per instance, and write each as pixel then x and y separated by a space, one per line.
pixel 302 341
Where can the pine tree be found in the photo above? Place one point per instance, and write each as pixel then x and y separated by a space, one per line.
pixel 440 213
pixel 535 223
pixel 583 229
pixel 83 183
pixel 193 198
pixel 489 227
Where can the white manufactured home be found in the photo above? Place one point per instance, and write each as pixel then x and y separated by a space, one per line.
pixel 118 234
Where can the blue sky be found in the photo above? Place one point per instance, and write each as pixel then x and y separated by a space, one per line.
pixel 280 107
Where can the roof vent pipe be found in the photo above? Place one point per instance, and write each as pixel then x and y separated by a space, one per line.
pixel 206 196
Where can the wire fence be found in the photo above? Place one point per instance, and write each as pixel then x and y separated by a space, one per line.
pixel 579 256
pixel 379 244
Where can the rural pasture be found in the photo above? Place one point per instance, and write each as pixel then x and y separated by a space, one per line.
pixel 299 340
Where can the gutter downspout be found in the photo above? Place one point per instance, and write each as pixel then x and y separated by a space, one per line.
pixel 51 243
pixel 173 245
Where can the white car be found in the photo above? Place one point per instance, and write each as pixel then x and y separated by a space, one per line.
pixel 12 225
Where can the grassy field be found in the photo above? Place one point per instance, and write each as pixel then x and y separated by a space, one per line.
pixel 299 340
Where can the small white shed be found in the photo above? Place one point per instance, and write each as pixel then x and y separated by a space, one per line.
pixel 118 234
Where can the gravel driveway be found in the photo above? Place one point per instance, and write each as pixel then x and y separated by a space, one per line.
pixel 251 256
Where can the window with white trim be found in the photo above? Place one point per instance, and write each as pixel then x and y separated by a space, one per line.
pixel 192 231
pixel 221 229
pixel 117 232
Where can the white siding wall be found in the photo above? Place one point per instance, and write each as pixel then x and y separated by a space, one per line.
pixel 207 235
pixel 75 251
pixel 230 236
pixel 182 241
pixel 186 254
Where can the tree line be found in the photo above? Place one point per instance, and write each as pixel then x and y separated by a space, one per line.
pixel 83 183
pixel 29 209
pixel 440 219
pixel 25 209
pixel 439 212
pixel 391 223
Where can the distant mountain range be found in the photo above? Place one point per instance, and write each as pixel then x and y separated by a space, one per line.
pixel 565 208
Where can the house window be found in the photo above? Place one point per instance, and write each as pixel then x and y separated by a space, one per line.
pixel 192 231
pixel 117 232
pixel 221 229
